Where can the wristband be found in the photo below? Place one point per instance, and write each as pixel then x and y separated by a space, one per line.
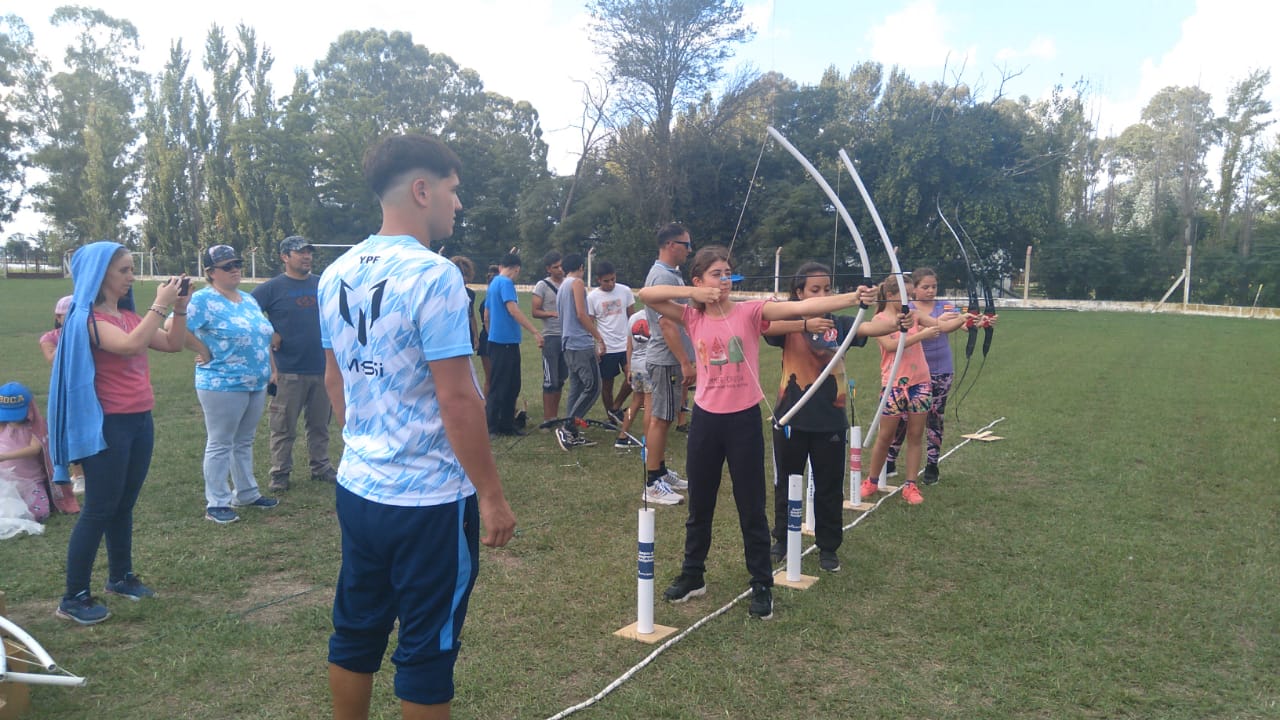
pixel 179 314
pixel 159 312
pixel 805 324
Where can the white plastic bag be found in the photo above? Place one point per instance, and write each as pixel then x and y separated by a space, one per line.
pixel 15 519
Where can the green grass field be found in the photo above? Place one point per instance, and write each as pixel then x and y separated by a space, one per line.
pixel 1115 556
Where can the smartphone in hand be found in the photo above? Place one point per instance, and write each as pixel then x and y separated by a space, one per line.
pixel 184 287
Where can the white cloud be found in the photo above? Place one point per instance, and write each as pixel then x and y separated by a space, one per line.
pixel 914 38
pixel 1222 41
pixel 1040 48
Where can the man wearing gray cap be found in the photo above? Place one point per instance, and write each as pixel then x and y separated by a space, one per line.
pixel 297 364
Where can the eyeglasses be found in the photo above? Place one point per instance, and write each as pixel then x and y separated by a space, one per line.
pixel 686 244
pixel 233 265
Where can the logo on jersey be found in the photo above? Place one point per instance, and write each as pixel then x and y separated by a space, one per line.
pixel 360 310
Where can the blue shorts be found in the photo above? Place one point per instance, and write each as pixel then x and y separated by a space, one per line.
pixel 611 364
pixel 415 564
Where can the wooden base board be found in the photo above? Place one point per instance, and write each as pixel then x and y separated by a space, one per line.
pixel 15 698
pixel 804 583
pixel 660 633
pixel 806 531
pixel 859 507
pixel 984 436
pixel 888 488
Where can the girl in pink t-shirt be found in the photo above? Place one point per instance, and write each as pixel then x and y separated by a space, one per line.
pixel 726 421
pixel 909 396
pixel 49 346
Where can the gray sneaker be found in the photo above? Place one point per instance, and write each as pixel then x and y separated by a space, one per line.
pixel 82 608
pixel 130 587
pixel 675 481
pixel 221 515
pixel 264 502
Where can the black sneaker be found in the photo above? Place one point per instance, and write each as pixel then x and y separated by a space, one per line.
pixel 625 443
pixel 828 560
pixel 890 469
pixel 329 475
pixel 82 608
pixel 761 602
pixel 930 474
pixel 130 587
pixel 684 587
pixel 615 415
pixel 778 551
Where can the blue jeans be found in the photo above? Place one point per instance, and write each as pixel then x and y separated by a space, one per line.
pixel 231 421
pixel 113 479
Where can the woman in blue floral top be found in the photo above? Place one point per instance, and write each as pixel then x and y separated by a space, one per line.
pixel 232 341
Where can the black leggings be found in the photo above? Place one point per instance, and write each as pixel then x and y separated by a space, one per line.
pixel 825 451
pixel 713 439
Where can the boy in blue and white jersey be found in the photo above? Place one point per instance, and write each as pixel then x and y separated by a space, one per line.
pixel 417 478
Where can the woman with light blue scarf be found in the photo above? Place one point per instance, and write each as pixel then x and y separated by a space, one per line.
pixel 100 402
pixel 232 341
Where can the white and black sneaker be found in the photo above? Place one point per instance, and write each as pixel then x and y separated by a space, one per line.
pixel 568 440
pixel 660 493
pixel 625 443
pixel 564 438
pixel 675 481
pixel 685 587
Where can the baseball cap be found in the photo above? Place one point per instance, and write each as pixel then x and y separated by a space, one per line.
pixel 14 399
pixel 64 305
pixel 294 243
pixel 219 254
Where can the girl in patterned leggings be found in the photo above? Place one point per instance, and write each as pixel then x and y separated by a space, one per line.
pixel 937 353
pixel 909 396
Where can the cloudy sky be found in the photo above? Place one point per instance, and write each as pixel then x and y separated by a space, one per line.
pixel 539 50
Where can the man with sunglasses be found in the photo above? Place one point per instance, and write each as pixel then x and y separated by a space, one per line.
pixel 297 364
pixel 670 363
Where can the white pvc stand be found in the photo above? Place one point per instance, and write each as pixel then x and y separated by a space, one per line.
pixel 883 481
pixel 810 523
pixel 643 628
pixel 856 502
pixel 792 578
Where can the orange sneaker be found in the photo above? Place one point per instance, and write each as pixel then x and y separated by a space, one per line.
pixel 911 494
pixel 869 488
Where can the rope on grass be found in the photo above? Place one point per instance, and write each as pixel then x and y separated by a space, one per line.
pixel 608 689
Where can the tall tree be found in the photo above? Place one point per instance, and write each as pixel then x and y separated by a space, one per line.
pixel 90 129
pixel 169 202
pixel 20 72
pixel 1242 129
pixel 1184 127
pixel 369 84
pixel 664 52
pixel 218 217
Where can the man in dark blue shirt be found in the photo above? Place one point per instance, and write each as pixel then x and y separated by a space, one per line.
pixel 297 364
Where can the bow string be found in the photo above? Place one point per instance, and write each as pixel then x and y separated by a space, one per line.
pixel 902 286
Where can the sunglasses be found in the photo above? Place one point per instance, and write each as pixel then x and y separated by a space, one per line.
pixel 233 265
pixel 686 244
